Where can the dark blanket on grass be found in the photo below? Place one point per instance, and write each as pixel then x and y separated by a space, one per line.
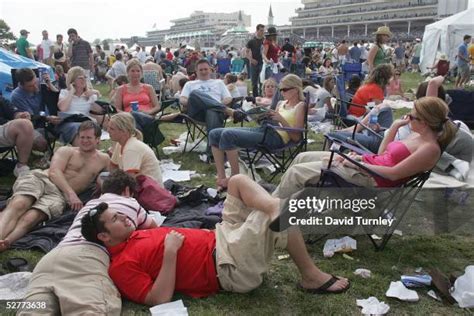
pixel 189 214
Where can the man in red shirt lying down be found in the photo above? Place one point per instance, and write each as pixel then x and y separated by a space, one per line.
pixel 148 266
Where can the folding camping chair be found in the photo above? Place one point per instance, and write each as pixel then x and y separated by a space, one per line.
pixel 350 69
pixel 195 130
pixel 340 119
pixel 152 135
pixel 392 203
pixel 223 66
pixel 461 108
pixel 280 158
pixel 8 151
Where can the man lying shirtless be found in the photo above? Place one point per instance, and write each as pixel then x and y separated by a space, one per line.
pixel 42 194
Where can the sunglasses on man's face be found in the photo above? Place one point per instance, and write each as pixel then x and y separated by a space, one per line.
pixel 285 89
pixel 93 211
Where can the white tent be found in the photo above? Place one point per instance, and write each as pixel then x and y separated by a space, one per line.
pixel 445 36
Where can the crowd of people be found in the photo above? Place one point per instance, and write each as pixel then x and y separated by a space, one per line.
pixel 148 264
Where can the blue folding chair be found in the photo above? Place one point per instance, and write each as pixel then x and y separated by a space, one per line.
pixel 350 69
pixel 223 66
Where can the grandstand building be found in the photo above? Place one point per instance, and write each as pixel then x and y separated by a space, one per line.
pixel 202 28
pixel 338 19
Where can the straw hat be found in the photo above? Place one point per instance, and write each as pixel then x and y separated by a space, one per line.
pixel 383 30
pixel 443 57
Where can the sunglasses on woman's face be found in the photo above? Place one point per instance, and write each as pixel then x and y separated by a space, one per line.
pixel 285 89
pixel 413 117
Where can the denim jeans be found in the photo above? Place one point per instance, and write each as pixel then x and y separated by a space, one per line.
pixel 365 138
pixel 254 76
pixel 204 108
pixel 244 137
pixel 287 64
pixel 385 117
pixel 369 141
pixel 141 119
pixel 68 131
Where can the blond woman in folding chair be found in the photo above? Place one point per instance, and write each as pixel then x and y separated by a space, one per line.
pixel 396 161
pixel 289 113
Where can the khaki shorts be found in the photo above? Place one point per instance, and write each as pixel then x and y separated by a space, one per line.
pixel 244 246
pixel 73 280
pixel 49 199
pixel 4 140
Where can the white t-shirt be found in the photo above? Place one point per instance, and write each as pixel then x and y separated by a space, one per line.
pixel 60 48
pixel 46 46
pixel 214 87
pixel 127 206
pixel 141 56
pixel 334 57
pixel 364 53
pixel 137 157
pixel 313 94
pixel 322 94
pixel 79 105
pixel 118 69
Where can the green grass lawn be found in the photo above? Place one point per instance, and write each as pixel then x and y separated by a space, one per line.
pixel 278 295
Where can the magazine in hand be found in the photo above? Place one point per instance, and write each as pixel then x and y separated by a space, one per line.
pixel 257 112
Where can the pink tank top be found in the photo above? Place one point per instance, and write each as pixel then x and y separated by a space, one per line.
pixel 143 98
pixel 396 152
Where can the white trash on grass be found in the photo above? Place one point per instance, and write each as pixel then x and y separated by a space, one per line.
pixel 13 286
pixel 345 244
pixel 175 308
pixel 372 306
pixel 363 273
pixel 398 290
pixel 463 291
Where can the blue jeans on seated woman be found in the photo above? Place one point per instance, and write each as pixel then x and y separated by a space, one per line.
pixel 366 138
pixel 244 137
pixel 67 131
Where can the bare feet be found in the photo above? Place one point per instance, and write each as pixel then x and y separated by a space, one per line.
pixel 313 284
pixel 4 245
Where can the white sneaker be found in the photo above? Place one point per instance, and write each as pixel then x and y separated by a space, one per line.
pixel 18 171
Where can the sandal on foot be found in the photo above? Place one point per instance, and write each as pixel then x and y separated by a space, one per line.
pixel 239 116
pixel 323 289
pixel 17 265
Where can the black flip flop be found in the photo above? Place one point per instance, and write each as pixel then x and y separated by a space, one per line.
pixel 323 289
pixel 17 265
